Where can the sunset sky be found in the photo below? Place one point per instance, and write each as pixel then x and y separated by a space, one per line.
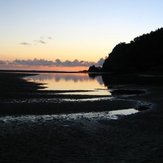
pixel 73 29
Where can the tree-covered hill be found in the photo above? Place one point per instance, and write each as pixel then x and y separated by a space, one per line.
pixel 143 54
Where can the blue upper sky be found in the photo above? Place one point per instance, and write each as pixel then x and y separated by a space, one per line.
pixel 73 29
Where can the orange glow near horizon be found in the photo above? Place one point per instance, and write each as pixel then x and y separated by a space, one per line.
pixel 44 68
pixel 59 68
pixel 11 52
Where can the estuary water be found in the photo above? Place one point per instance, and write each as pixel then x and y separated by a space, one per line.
pixel 67 86
pixel 79 84
pixel 76 83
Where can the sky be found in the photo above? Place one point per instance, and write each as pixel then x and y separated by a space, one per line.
pixel 72 29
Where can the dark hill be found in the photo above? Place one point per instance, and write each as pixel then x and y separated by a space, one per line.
pixel 143 54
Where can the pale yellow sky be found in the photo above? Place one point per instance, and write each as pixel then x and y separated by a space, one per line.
pixel 55 48
pixel 72 29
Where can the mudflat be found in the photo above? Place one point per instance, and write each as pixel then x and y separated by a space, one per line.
pixel 27 135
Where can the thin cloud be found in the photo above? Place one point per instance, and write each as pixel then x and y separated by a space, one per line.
pixel 34 62
pixel 50 38
pixel 100 62
pixel 46 38
pixel 50 63
pixel 42 37
pixel 2 62
pixel 41 41
pixel 73 63
pixel 57 62
pixel 25 43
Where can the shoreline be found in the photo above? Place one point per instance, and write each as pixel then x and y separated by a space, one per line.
pixel 28 98
pixel 135 138
pixel 41 71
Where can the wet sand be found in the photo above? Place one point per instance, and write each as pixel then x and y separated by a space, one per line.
pixel 135 138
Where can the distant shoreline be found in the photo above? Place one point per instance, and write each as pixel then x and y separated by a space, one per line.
pixel 44 71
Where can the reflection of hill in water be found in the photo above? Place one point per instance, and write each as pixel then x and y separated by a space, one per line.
pixel 99 79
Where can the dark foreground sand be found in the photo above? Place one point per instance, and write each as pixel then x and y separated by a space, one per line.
pixel 137 138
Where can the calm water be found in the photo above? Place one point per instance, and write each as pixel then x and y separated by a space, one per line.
pixel 71 81
pixel 77 83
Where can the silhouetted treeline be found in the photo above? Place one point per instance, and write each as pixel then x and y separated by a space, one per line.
pixel 93 68
pixel 143 54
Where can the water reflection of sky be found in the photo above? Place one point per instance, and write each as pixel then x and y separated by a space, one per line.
pixel 71 81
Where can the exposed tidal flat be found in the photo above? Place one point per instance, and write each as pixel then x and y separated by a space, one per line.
pixel 38 125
